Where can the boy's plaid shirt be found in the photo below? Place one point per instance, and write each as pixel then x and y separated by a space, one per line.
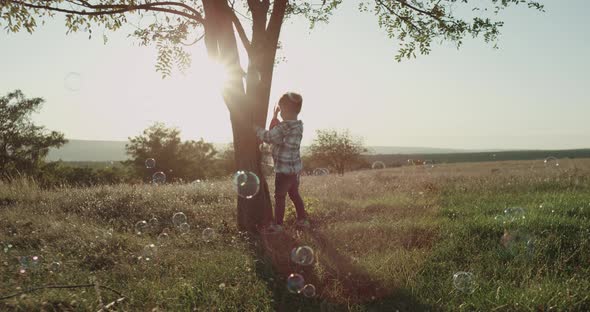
pixel 285 138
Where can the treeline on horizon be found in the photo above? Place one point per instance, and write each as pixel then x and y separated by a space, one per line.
pixel 397 160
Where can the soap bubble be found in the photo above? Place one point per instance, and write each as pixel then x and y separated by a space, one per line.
pixel 7 248
pixel 163 239
pixel 28 263
pixel 149 252
pixel 378 165
pixel 428 164
pixel 184 228
pixel 514 214
pixel 54 266
pixel 154 223
pixel 464 282
pixel 73 81
pixel 321 171
pixel 150 163
pixel 295 283
pixel 159 177
pixel 247 183
pixel 302 255
pixel 551 162
pixel 308 291
pixel 208 235
pixel 141 227
pixel 179 218
pixel 518 242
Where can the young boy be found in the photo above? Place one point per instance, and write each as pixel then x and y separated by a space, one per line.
pixel 285 138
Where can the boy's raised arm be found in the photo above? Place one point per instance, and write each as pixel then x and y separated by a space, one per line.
pixel 274 136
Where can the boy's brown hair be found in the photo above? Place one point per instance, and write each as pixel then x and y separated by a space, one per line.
pixel 291 101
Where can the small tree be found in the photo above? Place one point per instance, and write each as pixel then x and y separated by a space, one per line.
pixel 336 149
pixel 187 161
pixel 23 145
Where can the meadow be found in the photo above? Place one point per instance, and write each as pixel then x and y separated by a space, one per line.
pixel 383 240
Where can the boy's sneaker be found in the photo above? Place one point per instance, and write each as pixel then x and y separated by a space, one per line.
pixel 274 229
pixel 304 223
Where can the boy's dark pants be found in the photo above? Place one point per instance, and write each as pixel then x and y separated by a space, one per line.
pixel 287 184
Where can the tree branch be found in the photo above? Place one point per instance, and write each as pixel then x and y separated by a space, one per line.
pixel 403 18
pixel 122 9
pixel 151 4
pixel 406 4
pixel 276 18
pixel 240 30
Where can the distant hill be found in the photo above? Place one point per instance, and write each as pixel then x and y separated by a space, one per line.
pixel 86 150
pixel 402 159
pixel 385 150
pixel 83 150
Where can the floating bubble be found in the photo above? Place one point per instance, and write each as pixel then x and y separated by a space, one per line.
pixel 428 164
pixel 73 81
pixel 163 239
pixel 302 255
pixel 208 235
pixel 150 163
pixel 295 283
pixel 28 263
pixel 518 242
pixel 464 282
pixel 7 248
pixel 378 165
pixel 154 223
pixel 179 218
pixel 514 214
pixel 321 172
pixel 247 184
pixel 141 227
pixel 308 291
pixel 149 252
pixel 184 228
pixel 55 266
pixel 551 162
pixel 159 177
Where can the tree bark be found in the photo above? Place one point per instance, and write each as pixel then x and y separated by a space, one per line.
pixel 247 107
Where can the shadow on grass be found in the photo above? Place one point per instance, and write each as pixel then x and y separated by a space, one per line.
pixel 340 284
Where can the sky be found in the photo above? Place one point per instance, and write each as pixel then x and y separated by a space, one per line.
pixel 531 93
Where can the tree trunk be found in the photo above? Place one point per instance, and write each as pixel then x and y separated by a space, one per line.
pixel 247 107
pixel 257 211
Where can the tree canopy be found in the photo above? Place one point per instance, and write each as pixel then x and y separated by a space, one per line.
pixel 173 25
pixel 23 145
pixel 336 149
pixel 187 161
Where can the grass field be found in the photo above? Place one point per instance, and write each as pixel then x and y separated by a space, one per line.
pixel 384 240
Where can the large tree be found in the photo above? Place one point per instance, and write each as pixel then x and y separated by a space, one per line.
pixel 23 145
pixel 415 24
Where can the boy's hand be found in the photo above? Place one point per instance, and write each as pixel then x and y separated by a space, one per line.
pixel 277 111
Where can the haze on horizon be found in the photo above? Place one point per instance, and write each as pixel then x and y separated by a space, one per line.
pixel 529 94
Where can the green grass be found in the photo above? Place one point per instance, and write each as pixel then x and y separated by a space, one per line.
pixel 385 240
